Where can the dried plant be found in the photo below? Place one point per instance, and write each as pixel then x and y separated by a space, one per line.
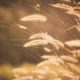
pixel 55 60
pixel 70 9
pixel 69 59
pixel 34 17
pixel 55 66
pixel 73 43
pixel 44 39
pixel 47 49
pixel 36 43
pixel 22 27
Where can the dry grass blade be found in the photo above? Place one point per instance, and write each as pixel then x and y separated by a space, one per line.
pixel 51 60
pixel 38 35
pixel 22 27
pixel 73 43
pixel 45 36
pixel 34 17
pixel 70 9
pixel 36 43
pixel 47 49
pixel 69 59
pixel 69 74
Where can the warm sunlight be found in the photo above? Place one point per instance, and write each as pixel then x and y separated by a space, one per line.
pixel 39 39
